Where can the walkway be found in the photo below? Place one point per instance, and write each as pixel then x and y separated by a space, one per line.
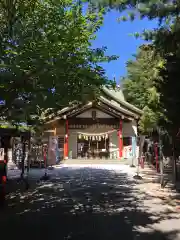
pixel 89 203
pixel 97 161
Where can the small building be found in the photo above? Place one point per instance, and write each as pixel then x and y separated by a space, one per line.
pixel 11 146
pixel 104 128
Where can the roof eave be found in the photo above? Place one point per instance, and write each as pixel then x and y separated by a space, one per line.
pixel 125 103
pixel 126 112
pixel 64 112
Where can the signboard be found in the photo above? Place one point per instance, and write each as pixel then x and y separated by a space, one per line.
pixel 94 126
pixel 53 151
pixel 1 154
pixel 10 154
pixel 128 153
pixel 133 146
pixel 2 102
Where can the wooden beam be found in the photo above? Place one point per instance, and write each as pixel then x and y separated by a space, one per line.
pixel 113 111
pixel 90 121
pixel 79 110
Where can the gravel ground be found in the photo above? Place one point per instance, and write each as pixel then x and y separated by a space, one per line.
pixel 88 203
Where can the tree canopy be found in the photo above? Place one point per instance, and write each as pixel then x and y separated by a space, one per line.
pixel 46 56
pixel 167 44
pixel 140 86
pixel 144 73
pixel 161 9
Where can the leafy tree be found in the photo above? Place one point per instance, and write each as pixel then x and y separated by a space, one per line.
pixel 165 41
pixel 140 86
pixel 164 10
pixel 167 44
pixel 46 45
pixel 46 57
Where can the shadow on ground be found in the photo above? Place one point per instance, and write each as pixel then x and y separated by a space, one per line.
pixel 83 204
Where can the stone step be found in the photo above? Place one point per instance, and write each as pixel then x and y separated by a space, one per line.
pixel 96 161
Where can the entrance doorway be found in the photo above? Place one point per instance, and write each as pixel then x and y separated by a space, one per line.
pixel 90 146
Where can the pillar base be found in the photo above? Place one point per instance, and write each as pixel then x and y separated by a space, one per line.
pixel 132 166
pixel 45 178
pixel 137 177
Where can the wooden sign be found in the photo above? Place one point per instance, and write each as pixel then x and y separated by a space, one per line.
pixel 93 126
pixel 1 154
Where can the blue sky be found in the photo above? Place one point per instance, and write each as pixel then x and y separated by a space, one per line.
pixel 116 37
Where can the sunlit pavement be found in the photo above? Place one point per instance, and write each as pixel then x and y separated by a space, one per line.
pixel 95 202
pixel 37 173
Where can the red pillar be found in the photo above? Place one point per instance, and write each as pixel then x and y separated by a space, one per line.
pixel 120 138
pixel 66 140
pixel 67 135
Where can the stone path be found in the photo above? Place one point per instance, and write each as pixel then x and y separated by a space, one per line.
pixel 89 203
pixel 151 186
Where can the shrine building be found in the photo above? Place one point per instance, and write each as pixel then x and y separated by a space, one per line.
pixel 105 128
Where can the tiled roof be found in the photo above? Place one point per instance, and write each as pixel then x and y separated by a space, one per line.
pixel 118 97
pixel 119 108
pixel 112 97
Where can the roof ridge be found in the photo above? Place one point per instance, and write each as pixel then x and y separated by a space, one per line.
pixel 128 112
pixel 122 101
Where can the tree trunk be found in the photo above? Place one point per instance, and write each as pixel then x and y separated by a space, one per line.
pixel 174 159
pixel 161 163
pixel 29 152
pixel 23 156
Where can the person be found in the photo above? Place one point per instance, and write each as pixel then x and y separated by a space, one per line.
pixel 81 150
pixel 2 182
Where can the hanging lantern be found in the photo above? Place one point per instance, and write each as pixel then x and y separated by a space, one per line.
pixel 99 138
pixel 79 136
pixel 93 138
pixel 106 136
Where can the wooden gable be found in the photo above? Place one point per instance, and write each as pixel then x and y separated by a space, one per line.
pixel 94 111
